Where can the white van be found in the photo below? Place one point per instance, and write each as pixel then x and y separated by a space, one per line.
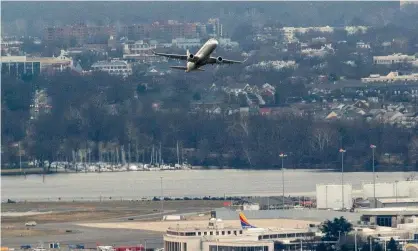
pixel 30 224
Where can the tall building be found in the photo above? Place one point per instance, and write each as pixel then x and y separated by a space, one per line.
pixel 81 33
pixel 167 30
pixel 201 30
pixel 215 28
pixel 186 30
pixel 137 31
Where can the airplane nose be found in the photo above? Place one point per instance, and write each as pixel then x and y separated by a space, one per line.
pixel 189 66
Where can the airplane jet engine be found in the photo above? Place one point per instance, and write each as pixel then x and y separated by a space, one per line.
pixel 190 58
pixel 219 59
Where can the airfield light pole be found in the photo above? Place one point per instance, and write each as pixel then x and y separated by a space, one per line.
pixel 162 196
pixel 342 151
pixel 282 156
pixel 355 240
pixel 371 243
pixel 388 155
pixel 20 156
pixel 20 159
pixel 374 175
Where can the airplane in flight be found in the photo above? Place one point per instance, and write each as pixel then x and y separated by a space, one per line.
pixel 201 58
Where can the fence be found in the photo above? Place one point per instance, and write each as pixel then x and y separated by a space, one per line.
pixel 262 200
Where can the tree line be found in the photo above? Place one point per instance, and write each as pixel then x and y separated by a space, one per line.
pixel 102 113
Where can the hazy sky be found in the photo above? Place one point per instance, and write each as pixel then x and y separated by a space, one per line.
pixel 31 15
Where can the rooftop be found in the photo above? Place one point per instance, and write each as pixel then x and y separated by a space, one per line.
pixel 389 210
pixel 49 60
pixel 240 242
pixel 398 200
pixel 43 60
pixel 109 63
pixel 232 228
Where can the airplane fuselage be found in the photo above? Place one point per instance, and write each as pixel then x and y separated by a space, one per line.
pixel 202 55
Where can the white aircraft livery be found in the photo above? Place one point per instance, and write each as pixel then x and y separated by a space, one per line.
pixel 201 58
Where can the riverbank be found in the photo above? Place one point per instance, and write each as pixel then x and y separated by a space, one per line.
pixel 40 171
pixel 17 171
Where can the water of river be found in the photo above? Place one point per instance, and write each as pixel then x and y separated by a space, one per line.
pixel 180 183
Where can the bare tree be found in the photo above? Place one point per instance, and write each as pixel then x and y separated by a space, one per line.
pixel 413 150
pixel 323 137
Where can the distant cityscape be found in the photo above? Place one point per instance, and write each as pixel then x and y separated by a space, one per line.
pixel 135 43
pixel 327 74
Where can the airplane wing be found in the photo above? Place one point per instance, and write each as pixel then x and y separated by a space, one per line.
pixel 214 60
pixel 175 56
pixel 184 68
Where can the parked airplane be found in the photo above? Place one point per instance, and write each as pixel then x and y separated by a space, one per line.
pixel 246 225
pixel 201 58
pixel 244 221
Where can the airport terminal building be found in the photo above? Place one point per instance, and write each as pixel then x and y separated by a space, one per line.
pixel 217 237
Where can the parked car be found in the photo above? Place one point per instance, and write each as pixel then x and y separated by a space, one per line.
pixel 30 224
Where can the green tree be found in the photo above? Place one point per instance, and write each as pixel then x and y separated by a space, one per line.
pixel 16 98
pixel 336 228
pixel 197 96
pixel 345 247
pixel 365 247
pixel 324 247
pixel 377 247
pixel 141 88
pixel 277 98
pixel 392 245
pixel 87 59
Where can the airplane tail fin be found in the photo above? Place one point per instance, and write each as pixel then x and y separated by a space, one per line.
pixel 244 221
pixel 187 52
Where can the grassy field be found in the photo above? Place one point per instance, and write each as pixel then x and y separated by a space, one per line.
pixel 62 212
pixel 14 231
pixel 80 211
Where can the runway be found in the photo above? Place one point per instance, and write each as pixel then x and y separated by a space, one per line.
pixel 91 236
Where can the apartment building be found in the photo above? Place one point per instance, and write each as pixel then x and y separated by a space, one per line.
pixel 82 33
pixel 113 67
pixel 394 59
